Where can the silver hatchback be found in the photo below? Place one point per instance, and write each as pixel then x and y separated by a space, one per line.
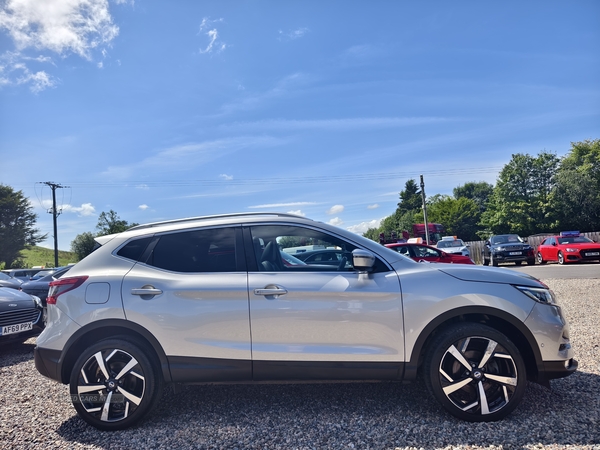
pixel 213 299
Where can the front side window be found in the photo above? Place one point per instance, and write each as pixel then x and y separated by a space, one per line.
pixel 210 250
pixel 272 244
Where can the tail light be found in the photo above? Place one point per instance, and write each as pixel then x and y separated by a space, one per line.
pixel 62 285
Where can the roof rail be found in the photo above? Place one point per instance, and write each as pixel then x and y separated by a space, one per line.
pixel 217 216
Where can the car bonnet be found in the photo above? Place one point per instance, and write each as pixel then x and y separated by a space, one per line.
pixel 490 275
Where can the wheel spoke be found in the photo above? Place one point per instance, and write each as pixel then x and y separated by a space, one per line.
pixel 489 351
pixel 129 396
pixel 106 407
pixel 459 357
pixel 101 364
pixel 483 399
pixel 504 380
pixel 90 388
pixel 130 365
pixel 456 386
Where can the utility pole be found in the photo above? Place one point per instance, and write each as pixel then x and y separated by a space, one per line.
pixel 55 214
pixel 424 211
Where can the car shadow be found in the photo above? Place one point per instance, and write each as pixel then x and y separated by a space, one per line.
pixel 366 415
pixel 16 352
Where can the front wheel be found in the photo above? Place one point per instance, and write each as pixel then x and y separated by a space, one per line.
pixel 493 261
pixel 561 258
pixel 115 383
pixel 475 372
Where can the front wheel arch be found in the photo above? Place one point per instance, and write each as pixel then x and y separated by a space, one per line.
pixel 500 320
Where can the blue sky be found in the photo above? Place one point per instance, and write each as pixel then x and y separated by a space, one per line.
pixel 161 110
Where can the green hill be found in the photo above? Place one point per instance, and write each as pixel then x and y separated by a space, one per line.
pixel 42 256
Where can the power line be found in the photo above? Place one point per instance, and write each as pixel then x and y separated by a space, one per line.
pixel 54 186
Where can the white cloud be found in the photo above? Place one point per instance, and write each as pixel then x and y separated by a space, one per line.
pixel 213 36
pixel 62 27
pixel 293 34
pixel 375 206
pixel 226 177
pixel 143 207
pixel 298 212
pixel 336 221
pixel 364 226
pixel 86 209
pixel 335 209
pixel 143 187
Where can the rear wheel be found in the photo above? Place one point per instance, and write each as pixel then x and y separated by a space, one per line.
pixel 531 262
pixel 115 383
pixel 540 258
pixel 475 372
pixel 561 258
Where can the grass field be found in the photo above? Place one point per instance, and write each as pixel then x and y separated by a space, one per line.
pixel 42 256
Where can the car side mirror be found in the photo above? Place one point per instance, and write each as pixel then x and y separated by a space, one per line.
pixel 487 243
pixel 363 260
pixel 554 244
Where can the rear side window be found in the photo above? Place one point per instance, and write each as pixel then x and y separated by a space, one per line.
pixel 211 250
pixel 134 249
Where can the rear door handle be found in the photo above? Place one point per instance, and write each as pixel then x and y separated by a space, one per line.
pixel 146 292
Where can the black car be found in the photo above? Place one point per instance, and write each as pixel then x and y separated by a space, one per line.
pixel 331 257
pixel 41 286
pixel 504 248
pixel 9 282
pixel 21 315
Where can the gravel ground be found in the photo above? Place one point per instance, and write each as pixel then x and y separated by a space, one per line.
pixel 35 412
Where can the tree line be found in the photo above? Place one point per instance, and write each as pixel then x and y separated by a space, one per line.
pixel 533 194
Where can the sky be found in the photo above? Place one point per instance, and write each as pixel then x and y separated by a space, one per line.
pixel 162 110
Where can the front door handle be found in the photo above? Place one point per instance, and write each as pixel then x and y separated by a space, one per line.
pixel 271 291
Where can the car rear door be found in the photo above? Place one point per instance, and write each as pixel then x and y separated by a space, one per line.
pixel 191 293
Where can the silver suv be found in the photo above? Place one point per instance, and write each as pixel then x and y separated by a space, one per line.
pixel 215 299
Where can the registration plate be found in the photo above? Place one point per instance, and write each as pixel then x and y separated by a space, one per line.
pixel 515 253
pixel 593 253
pixel 12 329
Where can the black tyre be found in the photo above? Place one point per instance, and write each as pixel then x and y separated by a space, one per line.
pixel 540 259
pixel 115 383
pixel 518 263
pixel 531 262
pixel 493 261
pixel 475 372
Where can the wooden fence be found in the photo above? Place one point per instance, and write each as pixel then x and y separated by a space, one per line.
pixel 476 247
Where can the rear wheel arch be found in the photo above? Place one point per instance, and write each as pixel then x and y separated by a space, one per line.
pixel 505 323
pixel 106 329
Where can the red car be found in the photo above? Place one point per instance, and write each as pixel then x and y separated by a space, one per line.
pixel 569 247
pixel 422 252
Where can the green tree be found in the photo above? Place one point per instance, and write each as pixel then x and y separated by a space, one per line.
pixel 83 244
pixel 17 225
pixel 577 191
pixel 479 192
pixel 111 223
pixel 410 198
pixel 460 216
pixel 521 201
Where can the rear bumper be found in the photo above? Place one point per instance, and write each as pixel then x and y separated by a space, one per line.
pixel 47 363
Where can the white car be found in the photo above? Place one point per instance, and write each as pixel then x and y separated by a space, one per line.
pixel 453 245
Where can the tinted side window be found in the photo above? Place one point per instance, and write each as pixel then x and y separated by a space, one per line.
pixel 211 250
pixel 134 249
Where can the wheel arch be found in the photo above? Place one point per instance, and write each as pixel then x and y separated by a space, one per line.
pixel 500 320
pixel 104 329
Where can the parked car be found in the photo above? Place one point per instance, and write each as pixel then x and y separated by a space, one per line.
pixel 209 299
pixel 331 257
pixel 9 282
pixel 453 245
pixel 21 315
pixel 422 252
pixel 504 248
pixel 21 274
pixel 569 247
pixel 41 286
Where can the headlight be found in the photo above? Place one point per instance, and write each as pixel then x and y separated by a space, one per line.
pixel 496 249
pixel 571 250
pixel 541 295
pixel 37 300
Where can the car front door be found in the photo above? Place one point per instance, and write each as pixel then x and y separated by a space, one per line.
pixel 321 321
pixel 191 293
